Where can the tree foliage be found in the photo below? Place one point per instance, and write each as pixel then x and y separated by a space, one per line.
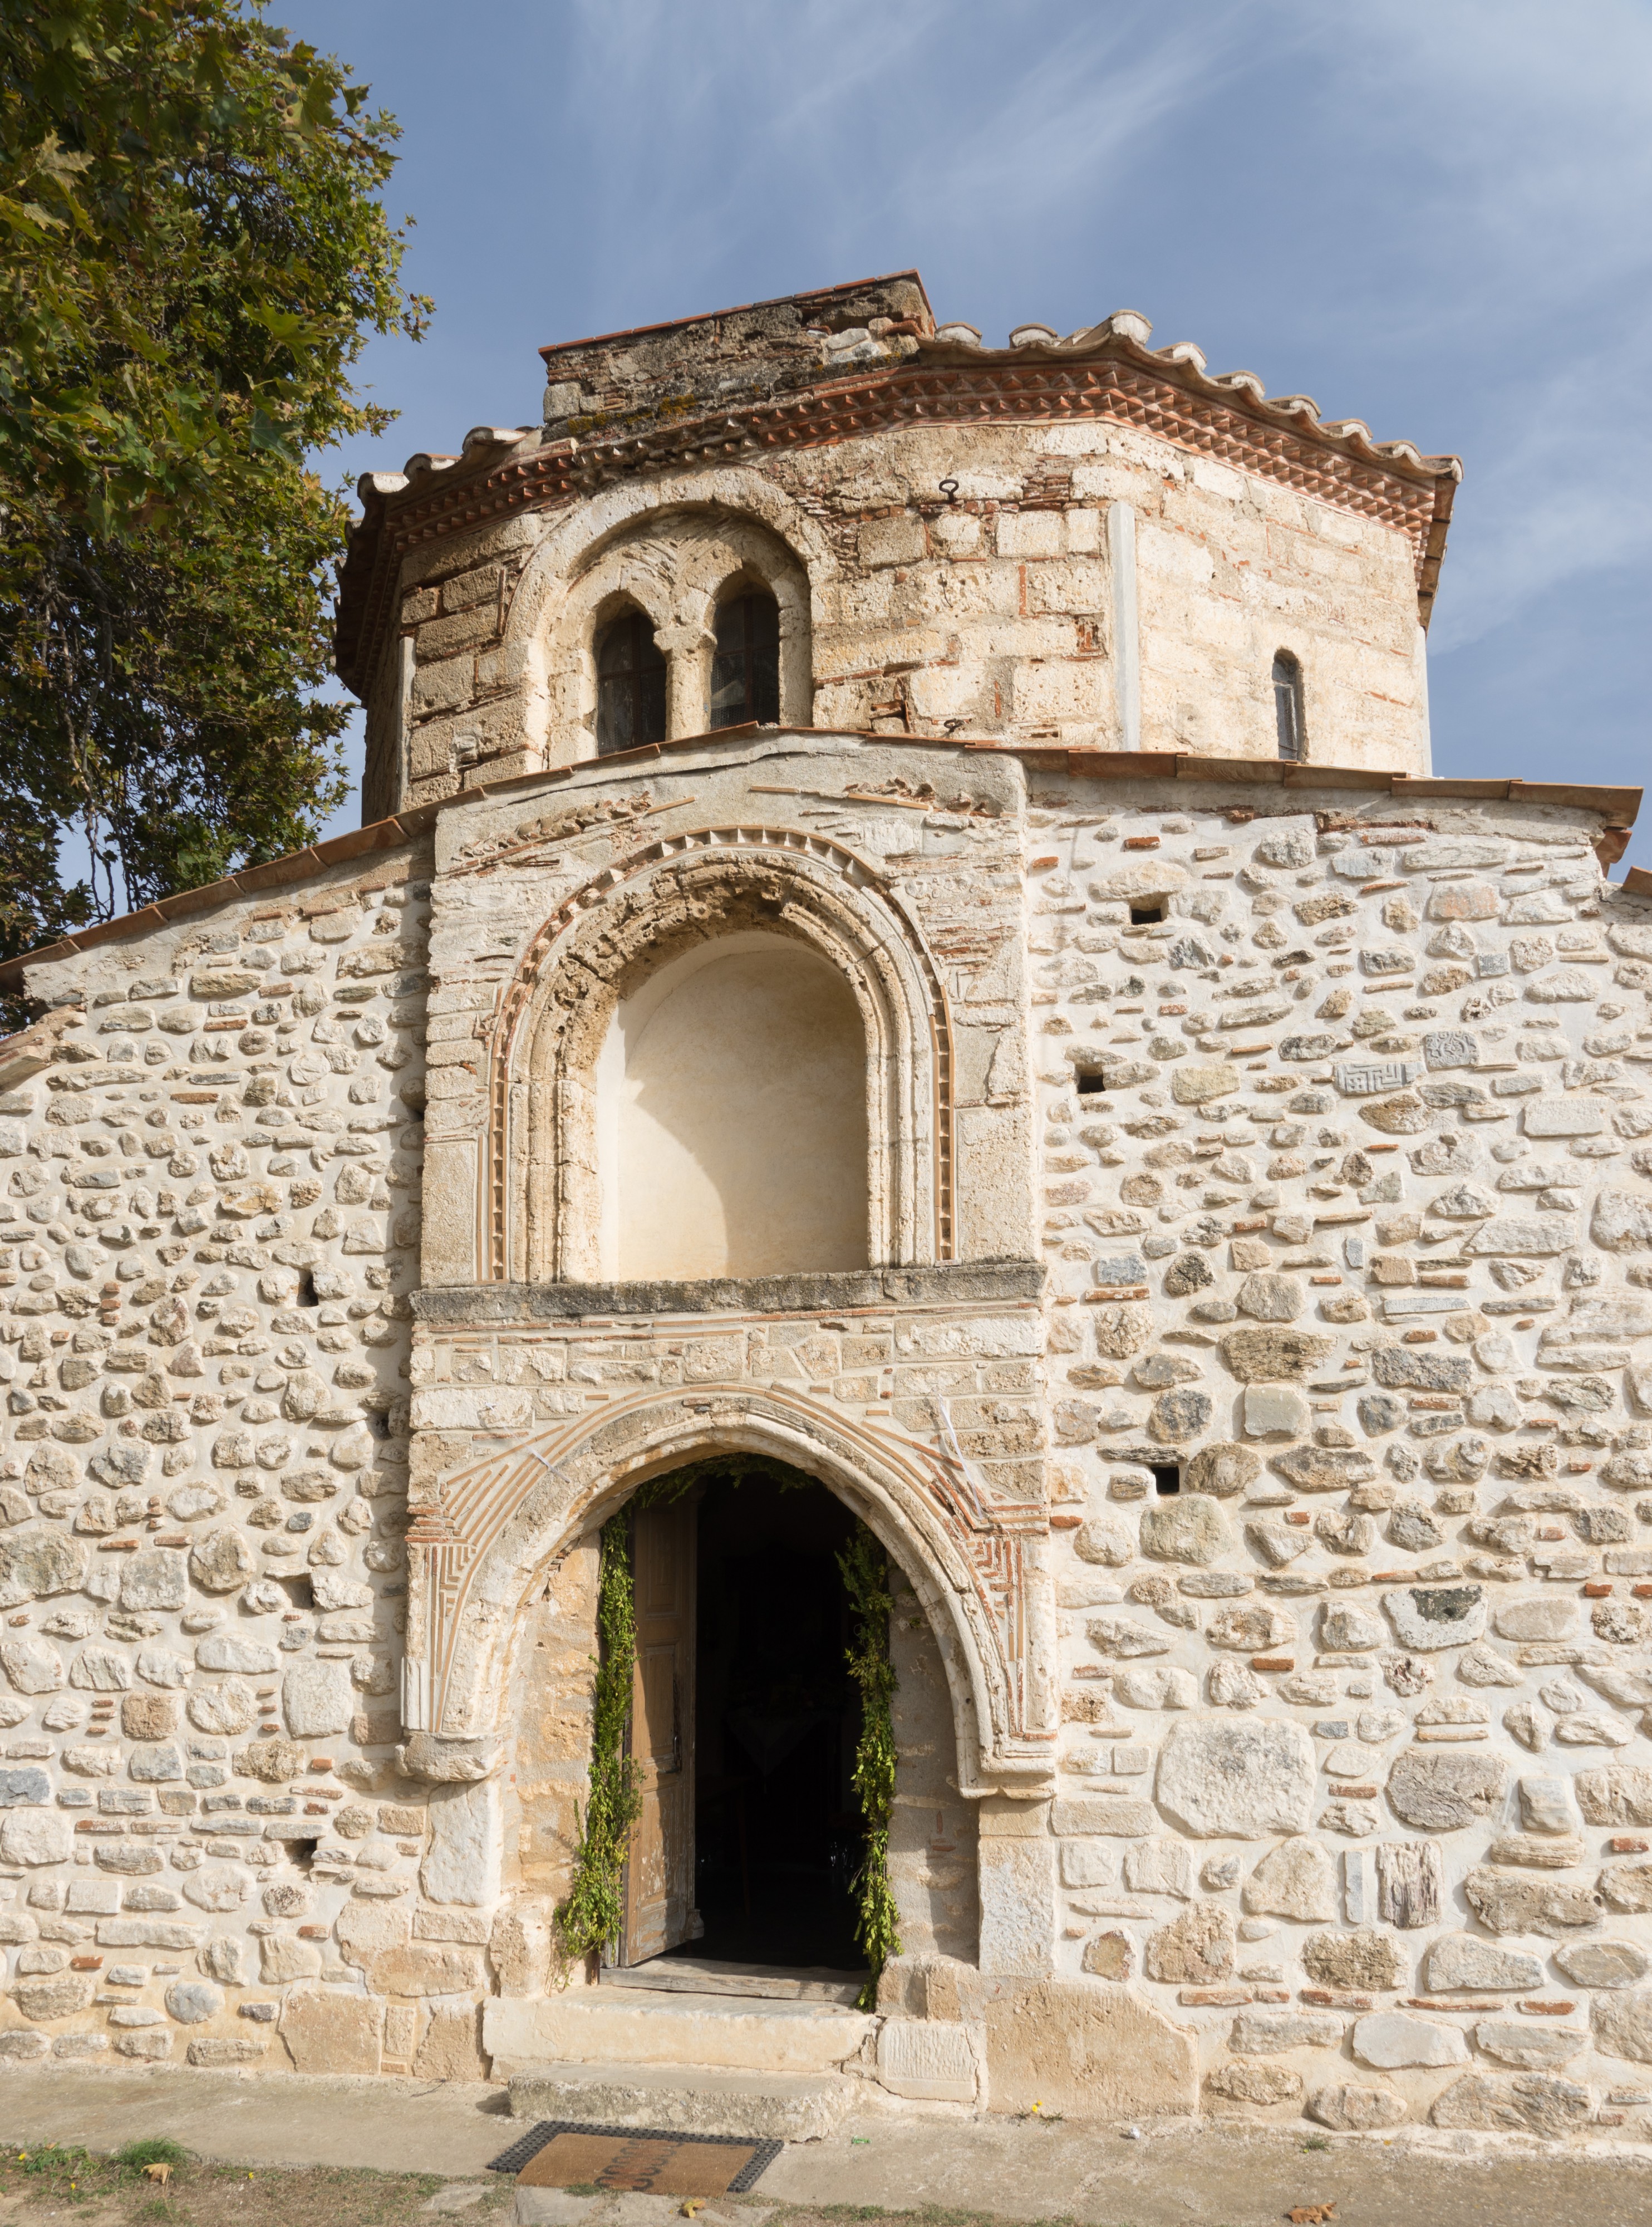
pixel 193 254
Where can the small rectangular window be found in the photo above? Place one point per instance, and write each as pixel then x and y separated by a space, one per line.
pixel 1167 1476
pixel 1089 1084
pixel 1143 915
pixel 1287 708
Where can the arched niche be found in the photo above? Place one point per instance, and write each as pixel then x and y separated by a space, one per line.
pixel 732 1116
pixel 602 950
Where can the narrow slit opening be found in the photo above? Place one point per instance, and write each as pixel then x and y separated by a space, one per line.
pixel 1143 916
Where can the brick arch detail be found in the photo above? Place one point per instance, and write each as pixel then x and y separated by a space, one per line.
pixel 490 1535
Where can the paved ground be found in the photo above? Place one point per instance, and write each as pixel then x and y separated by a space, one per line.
pixel 894 2161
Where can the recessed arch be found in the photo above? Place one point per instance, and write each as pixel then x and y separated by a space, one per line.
pixel 490 1532
pixel 604 943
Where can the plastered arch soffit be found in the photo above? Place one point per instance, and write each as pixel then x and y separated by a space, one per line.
pixel 479 1551
pixel 603 937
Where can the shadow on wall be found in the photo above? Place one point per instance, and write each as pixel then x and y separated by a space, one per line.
pixel 731 1117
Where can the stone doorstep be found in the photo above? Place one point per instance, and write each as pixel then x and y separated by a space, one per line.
pixel 703 1975
pixel 635 2026
pixel 699 2099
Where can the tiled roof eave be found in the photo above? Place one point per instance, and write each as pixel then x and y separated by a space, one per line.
pixel 1164 393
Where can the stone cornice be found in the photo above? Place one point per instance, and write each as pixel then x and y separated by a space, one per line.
pixel 1106 374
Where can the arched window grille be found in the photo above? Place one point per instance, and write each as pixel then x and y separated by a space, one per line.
pixel 630 684
pixel 1287 708
pixel 745 666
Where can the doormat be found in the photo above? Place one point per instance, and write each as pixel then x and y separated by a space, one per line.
pixel 560 2153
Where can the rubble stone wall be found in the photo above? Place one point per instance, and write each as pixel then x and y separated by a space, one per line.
pixel 1349 1211
pixel 1306 1500
pixel 211 1195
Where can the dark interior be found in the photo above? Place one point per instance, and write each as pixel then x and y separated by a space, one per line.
pixel 778 1828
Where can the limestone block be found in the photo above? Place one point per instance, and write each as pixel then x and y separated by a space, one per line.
pixel 1273 1411
pixel 1245 1780
pixel 220 1561
pixel 1527 2044
pixel 1348 2107
pixel 1123 1636
pixel 926 2061
pixel 192 2002
pixel 1257 1356
pixel 1442 1792
pixel 1389 2039
pixel 216 2053
pixel 1189 1528
pixel 1195 1949
pixel 36 1564
pixel 1268 2032
pixel 316 1700
pixel 32 1667
pixel 1256 1629
pixel 426 1968
pixel 1602 1963
pixel 30 1838
pixel 460 1864
pixel 451 2047
pixel 1349 1631
pixel 1622 2024
pixel 53 1996
pixel 1263 2085
pixel 1109 1956
pixel 1221 1470
pixel 217 1887
pixel 519 1948
pixel 1504 1903
pixel 331 2033
pixel 1534 2103
pixel 1427 1618
pixel 1365 1958
pixel 1297 1880
pixel 1627 1886
pixel 1462 1962
pixel 1153 1867
pixel 1089 2051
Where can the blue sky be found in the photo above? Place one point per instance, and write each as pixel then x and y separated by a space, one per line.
pixel 1433 214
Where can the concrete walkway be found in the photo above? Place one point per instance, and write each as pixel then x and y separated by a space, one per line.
pixel 1180 2173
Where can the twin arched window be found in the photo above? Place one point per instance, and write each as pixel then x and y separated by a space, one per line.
pixel 631 672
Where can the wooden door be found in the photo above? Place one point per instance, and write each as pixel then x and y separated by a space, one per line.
pixel 660 1868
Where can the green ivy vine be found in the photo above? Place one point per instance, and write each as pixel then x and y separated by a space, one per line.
pixel 866 1576
pixel 589 1915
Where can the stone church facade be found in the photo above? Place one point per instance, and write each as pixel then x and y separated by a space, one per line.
pixel 1056 1067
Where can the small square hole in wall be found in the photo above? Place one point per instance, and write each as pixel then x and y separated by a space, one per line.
pixel 1089 1084
pixel 301 1854
pixel 1143 915
pixel 1167 1476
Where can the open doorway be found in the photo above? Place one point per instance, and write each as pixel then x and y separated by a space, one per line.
pixel 778 1826
pixel 744 1724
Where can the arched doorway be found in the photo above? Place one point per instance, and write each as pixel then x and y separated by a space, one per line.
pixel 744 1724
